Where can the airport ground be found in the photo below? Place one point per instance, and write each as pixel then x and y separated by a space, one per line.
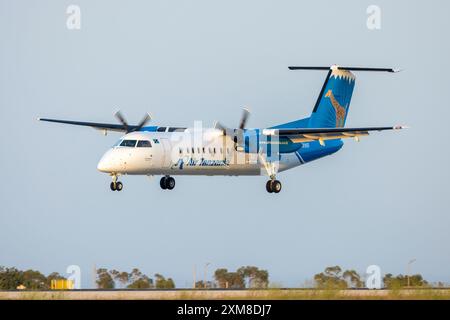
pixel 269 294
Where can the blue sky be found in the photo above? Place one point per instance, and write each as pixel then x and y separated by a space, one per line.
pixel 382 201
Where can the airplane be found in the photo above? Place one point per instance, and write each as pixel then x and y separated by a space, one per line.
pixel 171 151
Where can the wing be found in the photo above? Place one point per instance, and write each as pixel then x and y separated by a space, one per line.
pixel 321 134
pixel 95 125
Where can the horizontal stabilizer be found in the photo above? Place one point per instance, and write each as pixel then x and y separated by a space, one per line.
pixel 321 134
pixel 346 68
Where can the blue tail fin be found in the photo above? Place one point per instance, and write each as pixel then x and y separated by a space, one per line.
pixel 332 105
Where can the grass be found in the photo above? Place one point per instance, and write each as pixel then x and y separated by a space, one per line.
pixel 269 294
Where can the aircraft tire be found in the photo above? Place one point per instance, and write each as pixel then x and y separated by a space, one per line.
pixel 269 186
pixel 276 186
pixel 112 186
pixel 170 183
pixel 162 183
pixel 119 186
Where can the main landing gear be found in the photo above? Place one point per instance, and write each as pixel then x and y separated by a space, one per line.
pixel 167 183
pixel 273 186
pixel 116 185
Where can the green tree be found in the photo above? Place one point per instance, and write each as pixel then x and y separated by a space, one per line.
pixel 401 281
pixel 10 278
pixel 331 278
pixel 232 280
pixel 124 278
pixel 254 277
pixel 143 282
pixel 104 279
pixel 221 277
pixel 353 279
pixel 34 280
pixel 162 283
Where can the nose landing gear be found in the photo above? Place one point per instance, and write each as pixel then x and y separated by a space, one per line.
pixel 273 186
pixel 116 185
pixel 167 183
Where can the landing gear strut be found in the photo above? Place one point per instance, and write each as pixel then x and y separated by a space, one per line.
pixel 116 185
pixel 167 182
pixel 273 186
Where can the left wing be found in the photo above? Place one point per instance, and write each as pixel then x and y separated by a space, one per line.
pixel 322 134
pixel 123 127
pixel 95 125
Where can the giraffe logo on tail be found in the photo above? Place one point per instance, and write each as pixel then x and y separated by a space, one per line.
pixel 340 110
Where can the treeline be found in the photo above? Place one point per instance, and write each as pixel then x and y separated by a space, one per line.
pixel 12 278
pixel 110 279
pixel 335 278
pixel 244 277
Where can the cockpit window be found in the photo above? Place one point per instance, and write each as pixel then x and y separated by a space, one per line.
pixel 117 143
pixel 144 144
pixel 128 143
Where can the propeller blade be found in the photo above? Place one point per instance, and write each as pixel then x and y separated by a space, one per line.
pixel 122 120
pixel 143 122
pixel 220 126
pixel 244 118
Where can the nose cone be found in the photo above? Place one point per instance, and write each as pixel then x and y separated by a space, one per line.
pixel 106 163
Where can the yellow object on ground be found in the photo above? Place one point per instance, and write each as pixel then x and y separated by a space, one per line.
pixel 61 284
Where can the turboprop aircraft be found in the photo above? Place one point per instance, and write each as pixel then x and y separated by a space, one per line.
pixel 170 151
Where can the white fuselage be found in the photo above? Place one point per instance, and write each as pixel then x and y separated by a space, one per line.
pixel 188 152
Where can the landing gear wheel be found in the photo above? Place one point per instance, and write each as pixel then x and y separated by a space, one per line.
pixel 170 183
pixel 119 186
pixel 269 186
pixel 273 186
pixel 113 186
pixel 167 183
pixel 162 183
pixel 276 186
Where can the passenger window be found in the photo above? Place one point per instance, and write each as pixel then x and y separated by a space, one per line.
pixel 193 151
pixel 187 150
pixel 144 144
pixel 181 151
pixel 210 150
pixel 156 141
pixel 203 149
pixel 128 143
pixel 214 149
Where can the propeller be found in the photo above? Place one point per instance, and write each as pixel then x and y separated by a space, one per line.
pixel 124 122
pixel 244 118
pixel 238 134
